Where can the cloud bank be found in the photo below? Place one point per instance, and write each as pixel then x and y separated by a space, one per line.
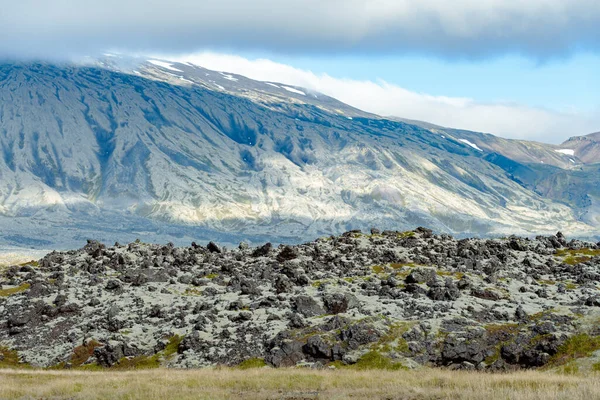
pixel 539 29
pixel 506 120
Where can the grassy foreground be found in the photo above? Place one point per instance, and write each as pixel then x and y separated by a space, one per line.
pixel 294 384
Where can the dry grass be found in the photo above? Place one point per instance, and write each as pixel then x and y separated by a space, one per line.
pixel 268 383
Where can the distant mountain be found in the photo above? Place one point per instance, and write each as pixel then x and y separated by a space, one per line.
pixel 122 147
pixel 586 148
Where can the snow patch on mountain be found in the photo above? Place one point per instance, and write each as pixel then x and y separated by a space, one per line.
pixel 568 152
pixel 473 145
pixel 165 65
pixel 290 89
pixel 229 77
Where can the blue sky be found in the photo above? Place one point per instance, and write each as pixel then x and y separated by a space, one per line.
pixel 562 83
pixel 510 96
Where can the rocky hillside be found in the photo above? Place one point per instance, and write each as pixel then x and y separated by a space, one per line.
pixel 120 146
pixel 387 299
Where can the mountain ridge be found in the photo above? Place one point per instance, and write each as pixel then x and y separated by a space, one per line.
pixel 181 144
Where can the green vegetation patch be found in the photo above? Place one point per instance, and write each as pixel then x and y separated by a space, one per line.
pixel 404 235
pixel 31 263
pixel 455 275
pixel 542 315
pixel 574 257
pixel 378 269
pixel 252 363
pixel 393 340
pixel 192 292
pixel 577 346
pixel 502 334
pixel 10 359
pixel 375 360
pixel 14 290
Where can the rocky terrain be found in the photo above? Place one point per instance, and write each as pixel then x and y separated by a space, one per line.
pixel 386 299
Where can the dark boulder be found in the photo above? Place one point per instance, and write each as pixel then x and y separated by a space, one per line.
pixel 307 306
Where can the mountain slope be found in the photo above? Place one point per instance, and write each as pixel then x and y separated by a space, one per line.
pixel 141 141
pixel 586 148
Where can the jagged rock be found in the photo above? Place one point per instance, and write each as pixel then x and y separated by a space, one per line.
pixel 262 251
pixel 285 352
pixel 213 247
pixel 113 285
pixel 469 346
pixel 486 294
pixel 360 334
pixel 307 306
pixel 339 303
pixel 286 254
pixel 447 291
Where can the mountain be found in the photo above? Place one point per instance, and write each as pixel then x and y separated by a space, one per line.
pixel 119 148
pixel 586 148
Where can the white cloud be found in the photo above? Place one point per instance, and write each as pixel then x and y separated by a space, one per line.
pixel 506 120
pixel 458 28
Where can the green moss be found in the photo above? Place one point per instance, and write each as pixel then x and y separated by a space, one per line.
pixel 31 263
pixel 318 284
pixel 212 276
pixel 378 269
pixel 403 235
pixel 495 356
pixel 573 257
pixel 139 362
pixel 570 286
pixel 586 251
pixel 596 367
pixel 375 360
pixel 252 363
pixel 455 275
pixel 192 292
pixel 15 290
pixel 541 315
pixel 538 338
pixel 393 340
pixel 91 367
pixel 10 359
pixel 337 364
pixel 172 346
pixel 577 346
pixel 502 334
